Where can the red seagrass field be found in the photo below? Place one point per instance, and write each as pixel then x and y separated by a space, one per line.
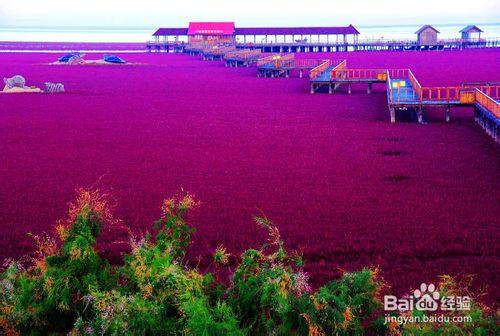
pixel 343 184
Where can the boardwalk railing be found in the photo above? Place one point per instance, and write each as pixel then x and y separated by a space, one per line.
pixel 265 60
pixel 195 46
pixel 398 73
pixel 315 72
pixel 217 50
pixel 338 70
pixel 374 74
pixel 487 102
pixel 275 59
pixel 403 95
pixel 282 61
pixel 414 82
pixel 243 54
pixel 490 90
pixel 400 94
pixel 302 63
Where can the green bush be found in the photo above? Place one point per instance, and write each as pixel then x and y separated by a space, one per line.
pixel 66 287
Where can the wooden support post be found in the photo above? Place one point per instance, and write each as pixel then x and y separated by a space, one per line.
pixel 312 87
pixel 393 114
pixel 349 88
pixel 369 90
pixel 330 88
pixel 300 73
pixel 447 113
pixel 420 117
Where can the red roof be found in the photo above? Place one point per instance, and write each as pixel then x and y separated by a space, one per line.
pixel 211 28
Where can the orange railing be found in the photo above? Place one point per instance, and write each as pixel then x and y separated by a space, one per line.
pixel 398 73
pixel 281 61
pixel 452 93
pixel 487 102
pixel 379 74
pixel 218 50
pixel 401 94
pixel 404 94
pixel 195 46
pixel 338 70
pixel 243 54
pixel 266 60
pixel 415 84
pixel 490 90
pixel 277 60
pixel 304 63
pixel 320 69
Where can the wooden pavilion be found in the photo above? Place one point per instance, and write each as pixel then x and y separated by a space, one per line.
pixel 226 32
pixel 471 33
pixel 427 35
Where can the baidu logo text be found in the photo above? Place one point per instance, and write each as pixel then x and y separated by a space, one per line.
pixel 426 298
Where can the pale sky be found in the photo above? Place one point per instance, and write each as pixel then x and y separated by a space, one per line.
pixel 167 13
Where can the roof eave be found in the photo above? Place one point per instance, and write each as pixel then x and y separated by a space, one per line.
pixel 469 28
pixel 426 27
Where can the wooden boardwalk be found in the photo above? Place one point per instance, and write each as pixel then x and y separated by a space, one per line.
pixel 369 45
pixel 245 57
pixel 487 113
pixel 215 52
pixel 404 91
pixel 283 65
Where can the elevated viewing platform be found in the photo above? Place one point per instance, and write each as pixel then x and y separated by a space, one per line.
pixel 487 111
pixel 304 39
pixel 366 45
pixel 282 65
pixel 404 92
pixel 405 95
pixel 215 52
pixel 244 57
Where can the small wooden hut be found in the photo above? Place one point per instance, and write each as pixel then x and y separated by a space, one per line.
pixel 471 33
pixel 427 35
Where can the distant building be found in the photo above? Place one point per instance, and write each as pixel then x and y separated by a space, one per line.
pixel 211 32
pixel 471 33
pixel 226 32
pixel 427 35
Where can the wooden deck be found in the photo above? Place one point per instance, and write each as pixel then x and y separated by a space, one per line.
pixel 284 65
pixel 487 112
pixel 404 91
pixel 215 52
pixel 369 45
pixel 244 57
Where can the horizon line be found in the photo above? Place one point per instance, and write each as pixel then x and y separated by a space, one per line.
pixel 155 27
